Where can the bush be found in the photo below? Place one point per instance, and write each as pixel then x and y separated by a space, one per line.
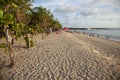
pixel 31 43
pixel 2 45
pixel 27 42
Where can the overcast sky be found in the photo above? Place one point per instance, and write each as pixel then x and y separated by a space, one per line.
pixel 84 13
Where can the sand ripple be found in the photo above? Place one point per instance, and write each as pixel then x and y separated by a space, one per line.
pixel 65 56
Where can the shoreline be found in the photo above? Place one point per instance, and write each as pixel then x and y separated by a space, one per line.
pixel 98 34
pixel 104 37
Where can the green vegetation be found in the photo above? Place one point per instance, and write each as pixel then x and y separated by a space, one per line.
pixel 31 43
pixel 17 18
pixel 2 45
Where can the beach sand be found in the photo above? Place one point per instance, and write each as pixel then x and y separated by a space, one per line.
pixel 64 56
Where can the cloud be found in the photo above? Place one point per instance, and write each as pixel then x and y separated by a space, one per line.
pixel 84 13
pixel 64 9
pixel 118 2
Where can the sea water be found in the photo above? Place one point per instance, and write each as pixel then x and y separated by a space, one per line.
pixel 113 33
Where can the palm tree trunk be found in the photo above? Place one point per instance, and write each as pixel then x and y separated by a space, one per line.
pixel 9 46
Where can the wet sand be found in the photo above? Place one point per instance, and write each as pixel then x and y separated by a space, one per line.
pixel 64 56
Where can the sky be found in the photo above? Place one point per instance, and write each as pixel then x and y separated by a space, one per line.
pixel 84 13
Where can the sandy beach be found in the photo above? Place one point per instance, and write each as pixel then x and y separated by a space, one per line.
pixel 64 56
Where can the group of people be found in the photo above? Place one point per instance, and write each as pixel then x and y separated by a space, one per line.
pixel 91 34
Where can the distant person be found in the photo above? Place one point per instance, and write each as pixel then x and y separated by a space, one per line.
pixel 83 32
pixel 50 30
pixel 107 37
pixel 92 34
pixel 97 35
